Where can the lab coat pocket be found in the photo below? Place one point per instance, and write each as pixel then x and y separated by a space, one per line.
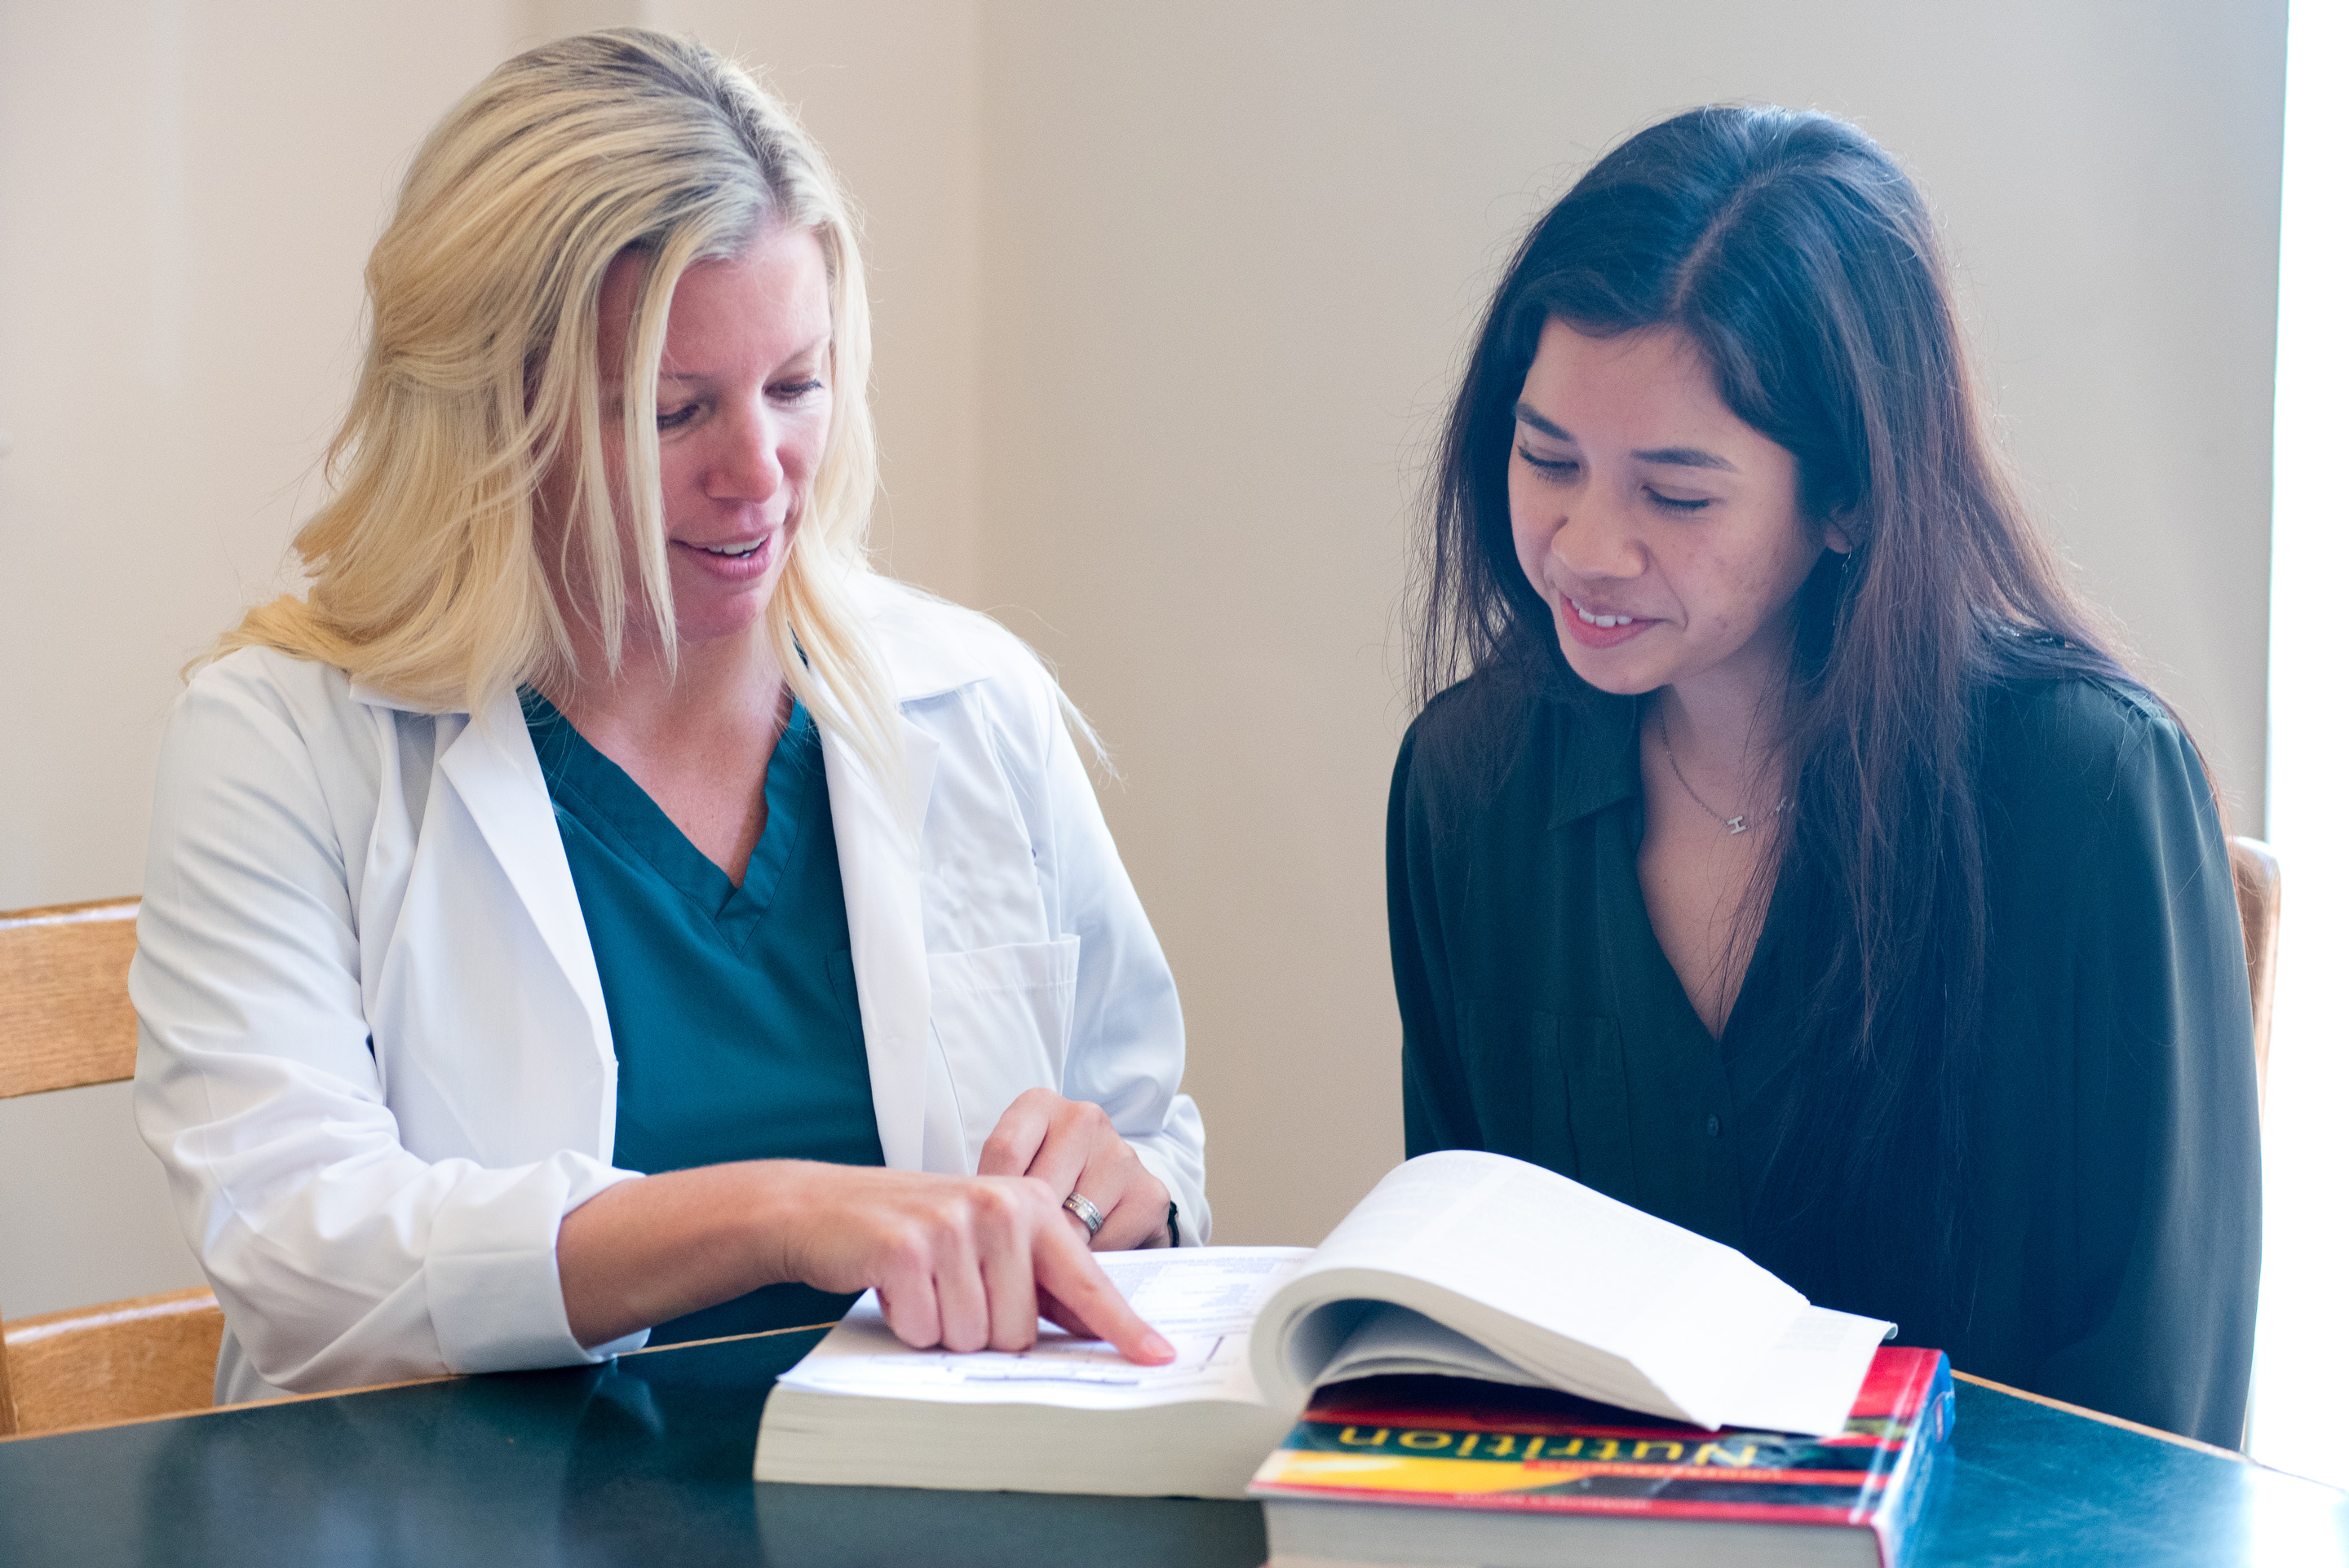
pixel 1000 1016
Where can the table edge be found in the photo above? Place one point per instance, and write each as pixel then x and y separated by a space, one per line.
pixel 2197 1444
pixel 378 1387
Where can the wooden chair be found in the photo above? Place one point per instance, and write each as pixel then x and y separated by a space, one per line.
pixel 65 1022
pixel 2259 899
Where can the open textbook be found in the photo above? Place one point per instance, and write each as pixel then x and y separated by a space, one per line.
pixel 1458 1264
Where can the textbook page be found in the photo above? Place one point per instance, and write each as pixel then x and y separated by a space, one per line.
pixel 1395 1341
pixel 1811 1377
pixel 1203 1299
pixel 1532 1245
pixel 1806 1383
pixel 1565 1286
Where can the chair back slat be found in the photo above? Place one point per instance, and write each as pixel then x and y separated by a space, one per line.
pixel 65 1022
pixel 65 1010
pixel 121 1361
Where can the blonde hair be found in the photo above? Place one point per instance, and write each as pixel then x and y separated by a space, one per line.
pixel 425 578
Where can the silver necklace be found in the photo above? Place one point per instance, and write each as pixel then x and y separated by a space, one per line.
pixel 1737 824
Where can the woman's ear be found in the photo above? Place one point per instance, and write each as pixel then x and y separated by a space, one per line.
pixel 1836 539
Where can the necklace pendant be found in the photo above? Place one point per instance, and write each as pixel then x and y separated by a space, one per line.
pixel 1735 825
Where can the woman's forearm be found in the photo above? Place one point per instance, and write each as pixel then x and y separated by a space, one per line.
pixel 959 1261
pixel 647 1250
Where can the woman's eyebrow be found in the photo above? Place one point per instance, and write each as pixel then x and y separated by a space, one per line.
pixel 1686 458
pixel 815 349
pixel 1675 457
pixel 1527 415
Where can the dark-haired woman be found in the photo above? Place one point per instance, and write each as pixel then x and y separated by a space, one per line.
pixel 1794 861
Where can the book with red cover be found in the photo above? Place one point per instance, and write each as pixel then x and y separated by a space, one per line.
pixel 1448 1471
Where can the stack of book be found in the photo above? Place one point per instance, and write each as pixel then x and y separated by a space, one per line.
pixel 1467 1288
pixel 1437 1470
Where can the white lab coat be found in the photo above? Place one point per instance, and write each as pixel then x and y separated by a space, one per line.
pixel 373 1056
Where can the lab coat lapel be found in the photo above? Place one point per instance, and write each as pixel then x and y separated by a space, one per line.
pixel 494 771
pixel 881 882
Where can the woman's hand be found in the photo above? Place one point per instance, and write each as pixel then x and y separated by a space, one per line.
pixel 967 1263
pixel 1071 1146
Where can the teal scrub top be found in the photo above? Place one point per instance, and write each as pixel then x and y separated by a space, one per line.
pixel 733 1009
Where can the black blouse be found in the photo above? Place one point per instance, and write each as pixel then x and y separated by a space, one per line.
pixel 2114 1175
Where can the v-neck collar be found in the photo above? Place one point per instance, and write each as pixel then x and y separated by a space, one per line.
pixel 1595 765
pixel 1595 760
pixel 588 783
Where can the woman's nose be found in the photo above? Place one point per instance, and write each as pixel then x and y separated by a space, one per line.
pixel 747 466
pixel 1597 541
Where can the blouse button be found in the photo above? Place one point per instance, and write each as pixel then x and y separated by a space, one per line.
pixel 1712 1126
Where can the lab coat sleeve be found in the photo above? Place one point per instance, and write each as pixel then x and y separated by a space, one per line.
pixel 1127 1044
pixel 340 1258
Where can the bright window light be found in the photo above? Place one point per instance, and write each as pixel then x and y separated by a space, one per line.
pixel 2303 1380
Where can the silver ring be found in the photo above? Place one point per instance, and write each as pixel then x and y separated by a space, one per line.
pixel 1083 1208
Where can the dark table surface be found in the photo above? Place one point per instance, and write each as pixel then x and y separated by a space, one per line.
pixel 647 1461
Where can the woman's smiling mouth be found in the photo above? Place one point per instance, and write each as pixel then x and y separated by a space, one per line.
pixel 1600 620
pixel 1599 628
pixel 736 560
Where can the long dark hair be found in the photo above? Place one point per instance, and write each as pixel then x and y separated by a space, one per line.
pixel 1793 251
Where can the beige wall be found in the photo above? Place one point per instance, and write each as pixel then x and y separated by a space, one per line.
pixel 1168 299
pixel 1222 318
pixel 187 194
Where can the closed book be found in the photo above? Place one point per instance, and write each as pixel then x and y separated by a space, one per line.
pixel 1446 1471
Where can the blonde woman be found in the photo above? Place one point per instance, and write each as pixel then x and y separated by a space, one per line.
pixel 603 905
